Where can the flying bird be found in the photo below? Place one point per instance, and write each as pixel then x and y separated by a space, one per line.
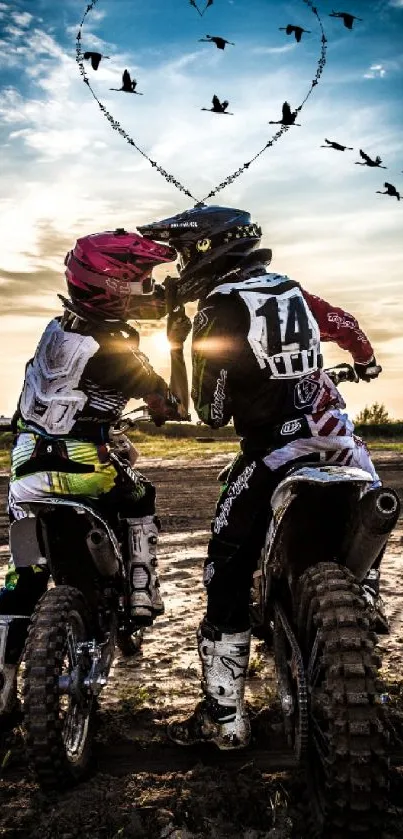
pixel 348 19
pixel 369 162
pixel 209 3
pixel 390 190
pixel 298 30
pixel 218 107
pixel 192 3
pixel 331 144
pixel 288 117
pixel 128 84
pixel 219 42
pixel 95 58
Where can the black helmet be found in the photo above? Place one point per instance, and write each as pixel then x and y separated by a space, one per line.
pixel 210 241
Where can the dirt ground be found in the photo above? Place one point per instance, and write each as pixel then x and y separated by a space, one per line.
pixel 143 786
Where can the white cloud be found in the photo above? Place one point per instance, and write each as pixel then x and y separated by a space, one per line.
pixel 22 18
pixel 272 50
pixel 91 41
pixel 18 51
pixel 57 143
pixel 376 71
pixel 63 118
pixel 63 122
pixel 97 15
pixel 14 31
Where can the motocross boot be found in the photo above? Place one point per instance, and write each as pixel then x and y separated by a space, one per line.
pixel 379 618
pixel 220 717
pixel 145 598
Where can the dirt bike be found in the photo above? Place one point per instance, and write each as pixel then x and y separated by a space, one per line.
pixel 328 526
pixel 77 624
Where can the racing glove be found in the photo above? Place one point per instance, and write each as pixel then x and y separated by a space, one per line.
pixel 162 407
pixel 368 371
pixel 178 327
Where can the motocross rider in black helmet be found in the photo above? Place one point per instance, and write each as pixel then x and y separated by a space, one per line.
pixel 210 242
pixel 257 359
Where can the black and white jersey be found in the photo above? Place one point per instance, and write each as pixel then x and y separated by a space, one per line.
pixel 80 380
pixel 257 359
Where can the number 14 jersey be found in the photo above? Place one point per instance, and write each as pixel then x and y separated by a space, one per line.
pixel 257 357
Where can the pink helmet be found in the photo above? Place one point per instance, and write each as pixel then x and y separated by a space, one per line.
pixel 110 274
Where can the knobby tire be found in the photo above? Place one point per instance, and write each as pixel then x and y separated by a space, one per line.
pixel 45 657
pixel 346 769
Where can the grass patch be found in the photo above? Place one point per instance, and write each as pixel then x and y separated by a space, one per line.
pixel 133 698
pixel 385 445
pixel 4 460
pixel 256 665
pixel 162 447
pixel 190 448
pixel 187 447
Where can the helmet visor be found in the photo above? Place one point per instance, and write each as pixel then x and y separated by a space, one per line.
pixel 204 247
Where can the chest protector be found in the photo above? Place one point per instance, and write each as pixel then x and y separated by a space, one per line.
pixel 283 333
pixel 49 397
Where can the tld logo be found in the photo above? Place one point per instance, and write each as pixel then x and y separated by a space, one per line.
pixel 290 427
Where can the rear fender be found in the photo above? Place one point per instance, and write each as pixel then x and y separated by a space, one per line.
pixel 38 508
pixel 57 529
pixel 324 476
pixel 24 545
pixel 309 506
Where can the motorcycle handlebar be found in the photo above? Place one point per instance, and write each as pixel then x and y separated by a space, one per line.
pixel 339 373
pixel 128 422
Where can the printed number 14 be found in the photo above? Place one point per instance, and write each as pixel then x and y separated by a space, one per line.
pixel 297 329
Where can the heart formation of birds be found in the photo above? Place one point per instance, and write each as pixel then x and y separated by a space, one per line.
pixel 288 115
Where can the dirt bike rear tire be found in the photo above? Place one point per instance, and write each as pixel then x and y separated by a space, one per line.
pixel 45 654
pixel 348 788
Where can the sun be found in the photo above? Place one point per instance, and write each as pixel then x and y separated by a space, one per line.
pixel 160 343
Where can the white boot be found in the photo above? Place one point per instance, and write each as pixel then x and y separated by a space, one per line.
pixel 221 717
pixel 145 598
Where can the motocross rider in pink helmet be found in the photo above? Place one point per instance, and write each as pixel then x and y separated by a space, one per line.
pixel 109 275
pixel 86 367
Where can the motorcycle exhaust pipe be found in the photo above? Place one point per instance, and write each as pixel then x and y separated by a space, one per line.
pixel 377 513
pixel 102 553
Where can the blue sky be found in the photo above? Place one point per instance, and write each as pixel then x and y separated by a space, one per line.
pixel 64 172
